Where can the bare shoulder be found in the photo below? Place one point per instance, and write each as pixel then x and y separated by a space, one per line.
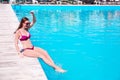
pixel 17 33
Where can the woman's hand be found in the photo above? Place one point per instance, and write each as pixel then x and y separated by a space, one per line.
pixel 33 20
pixel 21 55
pixel 32 12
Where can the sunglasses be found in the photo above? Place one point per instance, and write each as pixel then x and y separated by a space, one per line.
pixel 28 23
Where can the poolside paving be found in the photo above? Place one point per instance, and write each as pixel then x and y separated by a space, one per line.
pixel 12 67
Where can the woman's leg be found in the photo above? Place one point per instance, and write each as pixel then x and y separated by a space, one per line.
pixel 34 54
pixel 41 51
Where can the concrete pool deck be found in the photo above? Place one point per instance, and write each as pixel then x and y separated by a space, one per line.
pixel 12 67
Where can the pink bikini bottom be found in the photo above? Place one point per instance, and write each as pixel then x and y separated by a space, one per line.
pixel 22 50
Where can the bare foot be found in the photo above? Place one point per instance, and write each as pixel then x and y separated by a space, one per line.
pixel 60 70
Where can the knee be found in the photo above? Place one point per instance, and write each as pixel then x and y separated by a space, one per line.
pixel 40 56
pixel 42 50
pixel 45 51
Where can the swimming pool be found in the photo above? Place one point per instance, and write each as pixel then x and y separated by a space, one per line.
pixel 85 40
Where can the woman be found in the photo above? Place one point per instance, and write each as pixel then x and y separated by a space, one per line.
pixel 22 35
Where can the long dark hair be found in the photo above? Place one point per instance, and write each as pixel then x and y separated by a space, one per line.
pixel 21 23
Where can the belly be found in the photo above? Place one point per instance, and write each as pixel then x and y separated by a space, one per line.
pixel 27 44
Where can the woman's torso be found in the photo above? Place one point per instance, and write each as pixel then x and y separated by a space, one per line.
pixel 24 37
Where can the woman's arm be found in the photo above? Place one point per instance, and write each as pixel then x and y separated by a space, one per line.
pixel 34 19
pixel 16 42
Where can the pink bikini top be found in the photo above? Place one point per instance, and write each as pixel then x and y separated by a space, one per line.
pixel 24 37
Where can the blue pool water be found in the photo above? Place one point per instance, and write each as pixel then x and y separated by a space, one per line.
pixel 84 40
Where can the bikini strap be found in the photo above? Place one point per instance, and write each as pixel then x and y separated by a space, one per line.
pixel 20 32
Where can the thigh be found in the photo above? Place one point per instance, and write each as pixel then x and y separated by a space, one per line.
pixel 40 50
pixel 31 53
